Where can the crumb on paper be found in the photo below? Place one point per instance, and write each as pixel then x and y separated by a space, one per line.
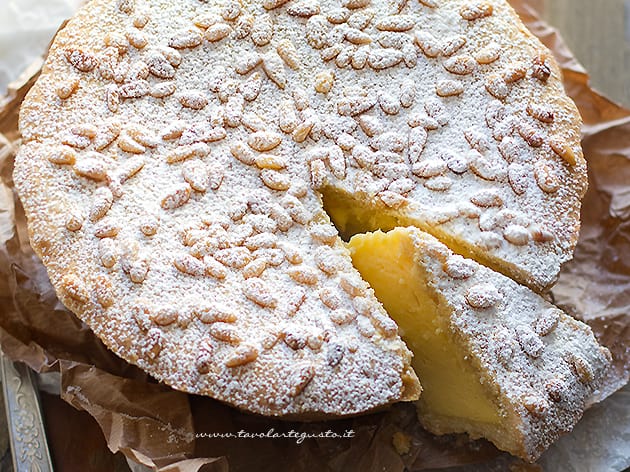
pixel 401 442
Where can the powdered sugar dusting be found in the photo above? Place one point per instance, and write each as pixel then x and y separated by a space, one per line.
pixel 192 137
pixel 543 365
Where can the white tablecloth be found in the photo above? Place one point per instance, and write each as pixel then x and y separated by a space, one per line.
pixel 26 27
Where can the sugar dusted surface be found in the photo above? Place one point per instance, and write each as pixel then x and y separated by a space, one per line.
pixel 543 365
pixel 209 261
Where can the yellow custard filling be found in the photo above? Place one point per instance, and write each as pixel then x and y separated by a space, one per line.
pixel 450 385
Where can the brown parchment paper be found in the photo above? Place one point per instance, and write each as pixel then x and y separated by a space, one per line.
pixel 168 430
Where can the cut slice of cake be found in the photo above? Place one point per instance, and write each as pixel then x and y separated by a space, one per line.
pixel 495 359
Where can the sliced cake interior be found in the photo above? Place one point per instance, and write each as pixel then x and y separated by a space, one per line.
pixel 495 360
pixel 357 214
pixel 454 393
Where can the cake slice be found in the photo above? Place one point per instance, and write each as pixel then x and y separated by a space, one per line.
pixel 495 359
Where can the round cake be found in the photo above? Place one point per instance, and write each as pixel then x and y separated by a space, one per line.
pixel 182 161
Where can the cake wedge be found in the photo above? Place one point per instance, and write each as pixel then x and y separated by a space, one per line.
pixel 495 359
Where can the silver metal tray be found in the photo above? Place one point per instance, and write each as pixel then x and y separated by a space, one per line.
pixel 27 435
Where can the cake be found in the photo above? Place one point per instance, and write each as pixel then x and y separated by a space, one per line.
pixel 182 161
pixel 495 359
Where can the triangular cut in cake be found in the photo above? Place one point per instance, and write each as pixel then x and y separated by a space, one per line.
pixel 495 359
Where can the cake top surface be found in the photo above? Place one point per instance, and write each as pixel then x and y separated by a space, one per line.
pixel 174 153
